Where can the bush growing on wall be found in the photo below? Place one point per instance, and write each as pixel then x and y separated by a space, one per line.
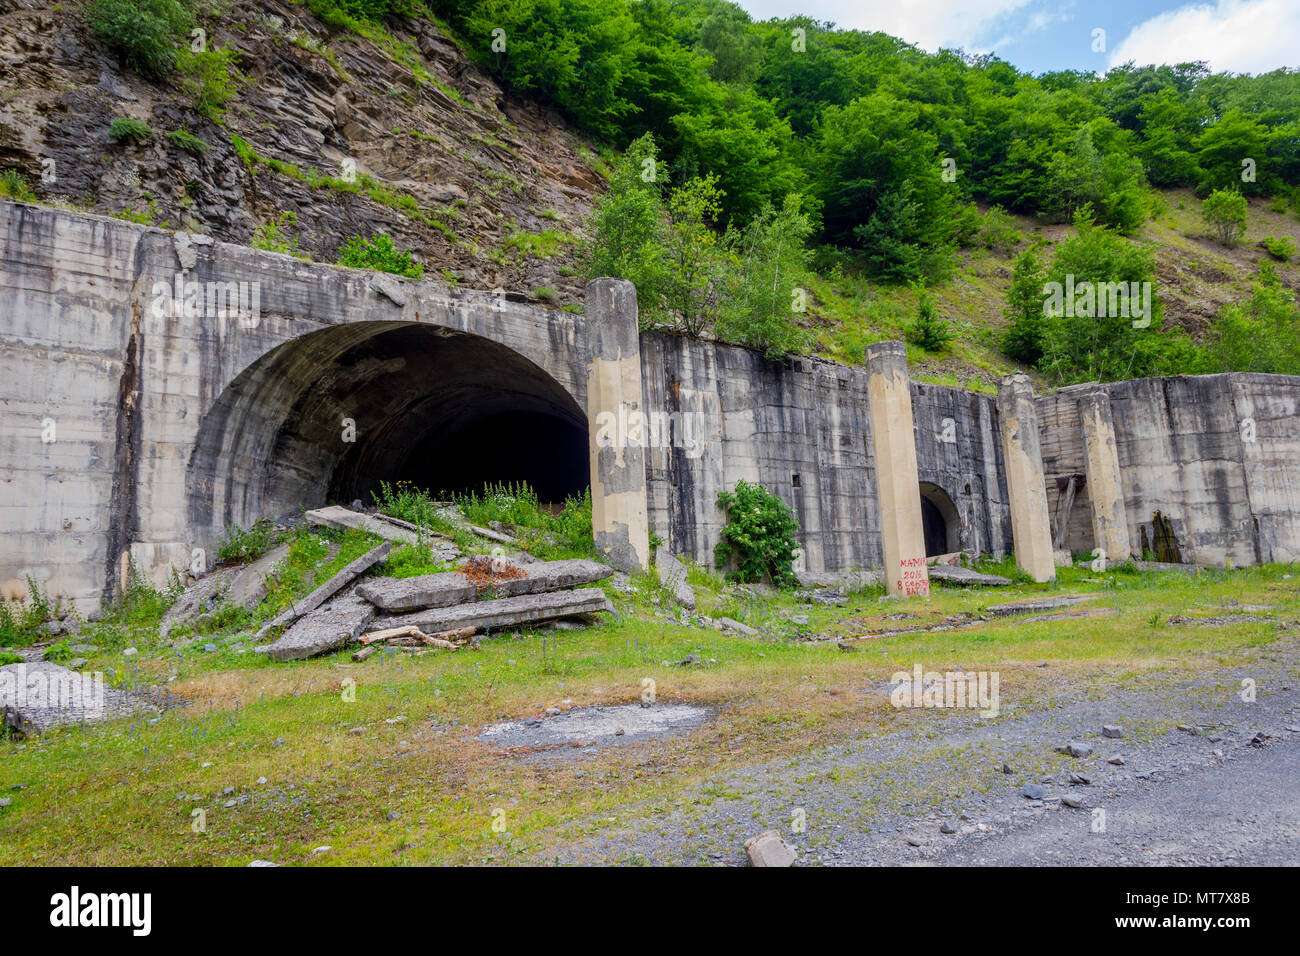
pixel 379 253
pixel 143 33
pixel 759 535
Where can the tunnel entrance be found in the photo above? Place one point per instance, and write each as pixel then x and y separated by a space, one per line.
pixel 331 415
pixel 940 523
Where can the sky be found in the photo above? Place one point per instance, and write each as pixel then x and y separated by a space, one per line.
pixel 1240 36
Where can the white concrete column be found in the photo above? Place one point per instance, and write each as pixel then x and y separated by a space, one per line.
pixel 616 425
pixel 1105 490
pixel 898 487
pixel 1031 526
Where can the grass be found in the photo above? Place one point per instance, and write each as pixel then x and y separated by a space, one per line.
pixel 340 745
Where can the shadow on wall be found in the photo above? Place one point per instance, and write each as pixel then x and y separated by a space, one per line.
pixel 330 415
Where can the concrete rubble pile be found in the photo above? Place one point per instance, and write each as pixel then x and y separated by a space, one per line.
pixel 443 610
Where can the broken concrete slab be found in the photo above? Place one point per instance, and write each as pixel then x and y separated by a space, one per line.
pixel 342 579
pixel 672 575
pixel 602 725
pixel 448 588
pixel 38 695
pixel 768 849
pixel 396 595
pixel 390 529
pixel 1030 605
pixel 504 612
pixel 243 585
pixel 325 629
pixel 956 574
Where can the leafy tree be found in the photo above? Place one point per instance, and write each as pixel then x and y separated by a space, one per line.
pixel 1222 149
pixel 143 33
pixel 694 269
pixel 928 330
pixel 771 260
pixel 1225 211
pixel 759 535
pixel 626 227
pixel 1023 338
pixel 1259 335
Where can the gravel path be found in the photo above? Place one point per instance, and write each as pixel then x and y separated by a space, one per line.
pixel 1224 789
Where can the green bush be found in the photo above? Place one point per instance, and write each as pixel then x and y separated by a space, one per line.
pixel 245 545
pixel 123 130
pixel 187 141
pixel 999 232
pixel 211 79
pixel 58 652
pixel 759 535
pixel 1281 248
pixel 379 253
pixel 273 235
pixel 1261 334
pixel 1225 211
pixel 13 184
pixel 1023 338
pixel 143 33
pixel 928 330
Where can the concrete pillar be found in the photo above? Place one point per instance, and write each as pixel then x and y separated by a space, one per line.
pixel 1109 518
pixel 1031 527
pixel 616 425
pixel 898 488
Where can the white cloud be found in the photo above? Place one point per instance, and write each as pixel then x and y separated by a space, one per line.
pixel 1241 36
pixel 930 24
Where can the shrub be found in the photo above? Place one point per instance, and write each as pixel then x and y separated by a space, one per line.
pixel 999 232
pixel 273 235
pixel 379 253
pixel 1281 248
pixel 211 79
pixel 142 33
pixel 59 652
pixel 928 331
pixel 759 535
pixel 14 185
pixel 123 130
pixel 188 141
pixel 544 293
pixel 1225 211
pixel 241 545
pixel 1023 338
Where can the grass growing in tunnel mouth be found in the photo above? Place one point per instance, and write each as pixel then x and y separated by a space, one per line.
pixel 547 532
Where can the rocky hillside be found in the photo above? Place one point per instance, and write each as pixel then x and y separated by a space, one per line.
pixel 394 130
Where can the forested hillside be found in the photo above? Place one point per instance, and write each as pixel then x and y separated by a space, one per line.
pixel 785 184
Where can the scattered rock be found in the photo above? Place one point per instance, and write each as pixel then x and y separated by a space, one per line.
pixel 1113 731
pixel 947 827
pixel 728 624
pixel 1117 760
pixel 263 863
pixel 1080 780
pixel 1033 791
pixel 1070 801
pixel 768 849
pixel 393 815
pixel 1077 748
pixel 321 849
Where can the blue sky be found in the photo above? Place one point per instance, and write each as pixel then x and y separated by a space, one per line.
pixel 1242 36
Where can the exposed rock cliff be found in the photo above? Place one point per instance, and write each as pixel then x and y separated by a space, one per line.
pixel 444 161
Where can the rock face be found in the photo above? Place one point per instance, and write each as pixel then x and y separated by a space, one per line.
pixel 38 695
pixel 471 164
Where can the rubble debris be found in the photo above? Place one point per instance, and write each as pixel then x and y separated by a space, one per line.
pixel 1039 604
pixel 323 630
pixel 345 576
pixel 505 612
pixel 243 586
pixel 956 574
pixel 38 695
pixel 390 529
pixel 504 578
pixel 672 575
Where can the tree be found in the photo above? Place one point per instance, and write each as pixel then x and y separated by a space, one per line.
pixel 626 241
pixel 1234 147
pixel 693 270
pixel 1225 211
pixel 1023 338
pixel 771 259
pixel 928 330
pixel 1261 334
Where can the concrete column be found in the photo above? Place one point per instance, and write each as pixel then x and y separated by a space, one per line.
pixel 1031 526
pixel 616 425
pixel 898 488
pixel 1109 518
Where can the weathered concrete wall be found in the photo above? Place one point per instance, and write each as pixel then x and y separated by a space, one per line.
pixel 170 422
pixel 1218 456
pixel 802 428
